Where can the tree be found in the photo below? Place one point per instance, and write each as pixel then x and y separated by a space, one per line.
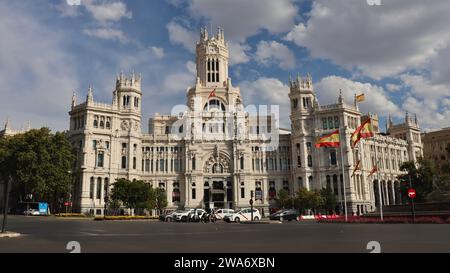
pixel 283 200
pixel 329 198
pixel 421 174
pixel 134 194
pixel 305 199
pixel 161 199
pixel 39 163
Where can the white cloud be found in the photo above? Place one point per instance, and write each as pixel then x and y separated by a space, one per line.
pixel 36 73
pixel 158 52
pixel 66 10
pixel 105 12
pixel 191 67
pixel 428 100
pixel 238 53
pixel 179 34
pixel 272 52
pixel 380 41
pixel 179 81
pixel 268 91
pixel 107 34
pixel 244 18
pixel 377 99
pixel 393 87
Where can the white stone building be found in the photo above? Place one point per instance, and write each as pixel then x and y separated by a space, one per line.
pixel 214 153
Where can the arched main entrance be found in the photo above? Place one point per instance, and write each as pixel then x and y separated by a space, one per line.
pixel 218 186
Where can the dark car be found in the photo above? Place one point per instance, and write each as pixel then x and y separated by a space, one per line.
pixel 285 214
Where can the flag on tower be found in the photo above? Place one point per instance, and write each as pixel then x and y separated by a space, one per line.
pixel 331 140
pixel 363 131
pixel 212 94
pixel 361 98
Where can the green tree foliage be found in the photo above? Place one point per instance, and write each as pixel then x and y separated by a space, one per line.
pixel 161 199
pixel 134 194
pixel 305 199
pixel 329 199
pixel 422 174
pixel 39 163
pixel 283 199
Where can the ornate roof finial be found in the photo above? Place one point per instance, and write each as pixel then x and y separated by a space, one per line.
pixel 74 99
pixel 90 94
pixel 340 99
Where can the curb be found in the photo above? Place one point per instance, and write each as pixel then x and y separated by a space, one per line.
pixel 10 235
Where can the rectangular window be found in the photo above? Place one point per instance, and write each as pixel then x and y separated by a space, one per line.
pixel 330 123
pixel 194 194
pixel 99 188
pixel 333 157
pixel 242 163
pixel 324 123
pixel 161 165
pixel 100 159
pixel 336 122
pixel 134 163
pixel 242 192
pixel 124 162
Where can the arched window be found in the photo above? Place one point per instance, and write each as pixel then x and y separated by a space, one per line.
pixel 95 123
pixel 214 104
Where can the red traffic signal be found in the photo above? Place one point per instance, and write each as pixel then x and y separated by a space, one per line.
pixel 412 193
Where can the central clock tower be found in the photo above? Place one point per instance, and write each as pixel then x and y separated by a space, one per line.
pixel 212 59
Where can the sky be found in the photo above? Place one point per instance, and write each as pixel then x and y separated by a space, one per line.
pixel 397 53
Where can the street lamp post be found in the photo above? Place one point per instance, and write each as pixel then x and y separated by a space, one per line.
pixel 5 207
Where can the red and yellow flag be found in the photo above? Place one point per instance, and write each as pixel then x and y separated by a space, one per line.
pixel 363 131
pixel 374 170
pixel 361 98
pixel 331 140
pixel 356 168
pixel 212 94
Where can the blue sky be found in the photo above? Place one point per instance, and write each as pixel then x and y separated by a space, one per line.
pixel 396 53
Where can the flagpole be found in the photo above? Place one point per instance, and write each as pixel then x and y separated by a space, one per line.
pixel 343 174
pixel 378 174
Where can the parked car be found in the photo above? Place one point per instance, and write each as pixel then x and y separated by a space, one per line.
pixel 166 215
pixel 243 215
pixel 32 212
pixel 285 214
pixel 183 216
pixel 221 213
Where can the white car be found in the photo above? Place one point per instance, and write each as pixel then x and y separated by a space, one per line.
pixel 243 215
pixel 221 213
pixel 184 215
pixel 32 212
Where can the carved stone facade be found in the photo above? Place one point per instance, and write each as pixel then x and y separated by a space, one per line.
pixel 215 153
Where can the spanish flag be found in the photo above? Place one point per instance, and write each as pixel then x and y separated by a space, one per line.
pixel 361 98
pixel 374 170
pixel 212 94
pixel 363 131
pixel 331 140
pixel 356 168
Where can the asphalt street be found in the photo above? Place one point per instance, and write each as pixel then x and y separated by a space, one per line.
pixel 49 234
